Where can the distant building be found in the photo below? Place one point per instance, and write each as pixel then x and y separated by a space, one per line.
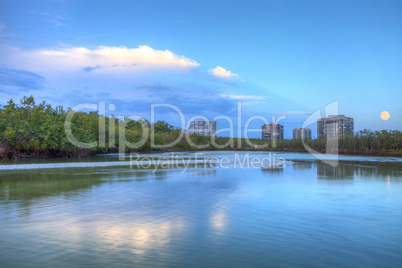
pixel 202 127
pixel 272 131
pixel 301 133
pixel 334 126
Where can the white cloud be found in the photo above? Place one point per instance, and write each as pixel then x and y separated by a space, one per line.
pixel 77 58
pixel 222 72
pixel 2 26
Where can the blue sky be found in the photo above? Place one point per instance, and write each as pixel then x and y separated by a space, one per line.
pixel 278 57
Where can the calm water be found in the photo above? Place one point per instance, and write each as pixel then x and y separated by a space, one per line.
pixel 309 214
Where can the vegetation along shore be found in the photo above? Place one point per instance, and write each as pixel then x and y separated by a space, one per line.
pixel 32 129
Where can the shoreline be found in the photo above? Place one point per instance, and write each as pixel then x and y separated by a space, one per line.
pixel 226 159
pixel 92 154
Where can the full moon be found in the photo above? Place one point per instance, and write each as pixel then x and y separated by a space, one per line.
pixel 385 115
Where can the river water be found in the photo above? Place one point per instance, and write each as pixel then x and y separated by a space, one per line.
pixel 54 213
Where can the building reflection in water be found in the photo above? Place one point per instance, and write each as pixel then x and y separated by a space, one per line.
pixel 273 171
pixel 347 170
pixel 341 171
pixel 202 170
pixel 298 165
pixel 207 172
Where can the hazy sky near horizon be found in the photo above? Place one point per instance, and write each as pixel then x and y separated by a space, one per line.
pixel 277 57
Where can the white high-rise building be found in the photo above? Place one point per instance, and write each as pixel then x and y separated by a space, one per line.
pixel 301 133
pixel 272 131
pixel 334 126
pixel 202 127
